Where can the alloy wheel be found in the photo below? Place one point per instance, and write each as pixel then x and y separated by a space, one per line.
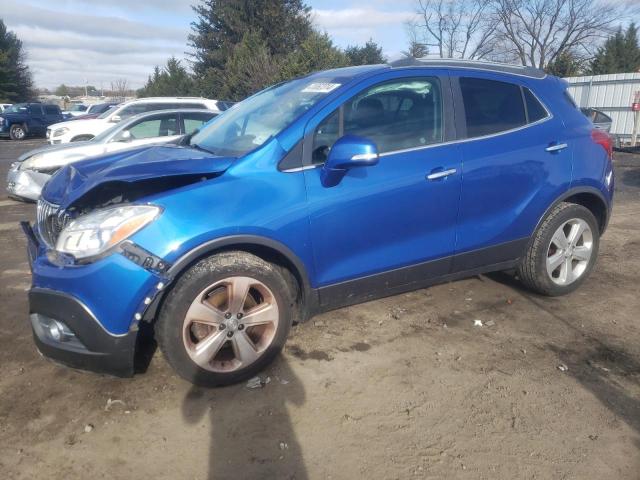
pixel 569 252
pixel 230 324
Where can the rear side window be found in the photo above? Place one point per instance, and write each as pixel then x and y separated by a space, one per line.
pixel 193 121
pixel 535 110
pixel 35 110
pixel 51 110
pixel 491 106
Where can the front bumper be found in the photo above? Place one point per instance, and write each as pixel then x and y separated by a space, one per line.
pixel 25 184
pixel 96 306
pixel 90 347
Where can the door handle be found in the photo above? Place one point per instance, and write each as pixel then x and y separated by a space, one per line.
pixel 441 174
pixel 556 148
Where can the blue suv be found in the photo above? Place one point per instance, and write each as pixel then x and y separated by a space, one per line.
pixel 24 119
pixel 336 188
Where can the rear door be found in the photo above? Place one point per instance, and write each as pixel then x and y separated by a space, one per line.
pixel 37 121
pixel 52 114
pixel 516 162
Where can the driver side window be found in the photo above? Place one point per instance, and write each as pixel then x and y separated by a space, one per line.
pixel 396 115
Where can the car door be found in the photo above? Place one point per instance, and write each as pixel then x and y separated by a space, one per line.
pixel 37 124
pixel 515 164
pixel 392 224
pixel 160 128
pixel 52 115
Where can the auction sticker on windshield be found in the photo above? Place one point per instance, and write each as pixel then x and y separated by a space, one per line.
pixel 320 87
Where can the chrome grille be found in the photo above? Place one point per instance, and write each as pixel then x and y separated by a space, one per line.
pixel 50 221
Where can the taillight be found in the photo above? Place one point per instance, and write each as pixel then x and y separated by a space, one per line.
pixel 604 140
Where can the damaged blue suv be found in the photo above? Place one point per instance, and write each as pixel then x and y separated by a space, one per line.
pixel 336 188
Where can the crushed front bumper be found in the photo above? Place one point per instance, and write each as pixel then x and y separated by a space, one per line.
pixel 87 316
pixel 25 184
pixel 65 330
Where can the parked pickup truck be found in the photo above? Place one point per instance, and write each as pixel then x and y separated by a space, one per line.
pixel 23 119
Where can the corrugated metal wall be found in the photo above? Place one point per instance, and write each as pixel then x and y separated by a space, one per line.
pixel 613 94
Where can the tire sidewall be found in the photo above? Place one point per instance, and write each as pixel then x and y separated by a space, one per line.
pixel 13 129
pixel 572 211
pixel 191 284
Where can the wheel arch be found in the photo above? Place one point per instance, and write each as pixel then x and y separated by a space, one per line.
pixel 590 198
pixel 266 248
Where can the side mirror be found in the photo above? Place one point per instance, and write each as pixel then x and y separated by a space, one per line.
pixel 125 136
pixel 115 119
pixel 348 152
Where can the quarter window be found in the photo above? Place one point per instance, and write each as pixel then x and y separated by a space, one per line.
pixel 535 110
pixel 491 106
pixel 396 115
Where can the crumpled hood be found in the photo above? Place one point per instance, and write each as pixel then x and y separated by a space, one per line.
pixel 75 180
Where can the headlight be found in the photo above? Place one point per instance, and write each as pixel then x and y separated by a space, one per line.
pixel 60 131
pixel 98 231
pixel 41 161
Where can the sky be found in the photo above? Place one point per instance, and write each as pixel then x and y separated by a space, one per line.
pixel 93 41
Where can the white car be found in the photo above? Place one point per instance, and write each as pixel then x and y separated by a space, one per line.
pixel 82 130
pixel 28 175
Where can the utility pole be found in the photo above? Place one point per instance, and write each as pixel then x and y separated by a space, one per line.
pixel 635 107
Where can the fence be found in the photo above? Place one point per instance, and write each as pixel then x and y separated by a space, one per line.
pixel 612 94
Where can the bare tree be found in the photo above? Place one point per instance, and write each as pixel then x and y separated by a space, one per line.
pixel 538 31
pixel 457 29
pixel 120 88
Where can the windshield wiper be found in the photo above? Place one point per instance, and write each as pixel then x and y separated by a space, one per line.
pixel 198 147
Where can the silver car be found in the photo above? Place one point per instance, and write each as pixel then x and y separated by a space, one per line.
pixel 28 175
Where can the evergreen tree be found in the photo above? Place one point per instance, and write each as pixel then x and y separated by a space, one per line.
pixel 16 84
pixel 370 54
pixel 566 64
pixel 282 25
pixel 173 80
pixel 619 54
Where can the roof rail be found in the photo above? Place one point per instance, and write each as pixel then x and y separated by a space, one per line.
pixel 523 70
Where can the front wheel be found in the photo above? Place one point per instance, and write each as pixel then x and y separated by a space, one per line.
pixel 562 252
pixel 226 319
pixel 17 132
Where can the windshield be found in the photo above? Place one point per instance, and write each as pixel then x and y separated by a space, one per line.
pixel 17 108
pixel 250 123
pixel 108 112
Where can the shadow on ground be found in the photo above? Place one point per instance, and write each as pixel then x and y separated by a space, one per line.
pixel 273 451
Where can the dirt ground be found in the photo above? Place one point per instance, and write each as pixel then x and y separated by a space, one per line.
pixel 404 387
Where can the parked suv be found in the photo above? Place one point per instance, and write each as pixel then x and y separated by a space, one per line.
pixel 81 130
pixel 23 119
pixel 328 190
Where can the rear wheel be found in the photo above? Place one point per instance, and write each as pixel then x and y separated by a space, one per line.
pixel 562 252
pixel 226 319
pixel 17 132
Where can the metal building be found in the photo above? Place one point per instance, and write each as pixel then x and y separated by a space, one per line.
pixel 613 94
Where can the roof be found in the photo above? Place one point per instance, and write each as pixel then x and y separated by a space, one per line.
pixel 470 64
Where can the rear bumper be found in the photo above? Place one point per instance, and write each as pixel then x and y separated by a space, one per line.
pixel 89 347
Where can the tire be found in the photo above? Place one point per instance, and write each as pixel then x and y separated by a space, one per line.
pixel 82 138
pixel 17 132
pixel 184 335
pixel 556 263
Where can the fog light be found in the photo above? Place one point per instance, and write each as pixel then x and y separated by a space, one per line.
pixel 55 329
